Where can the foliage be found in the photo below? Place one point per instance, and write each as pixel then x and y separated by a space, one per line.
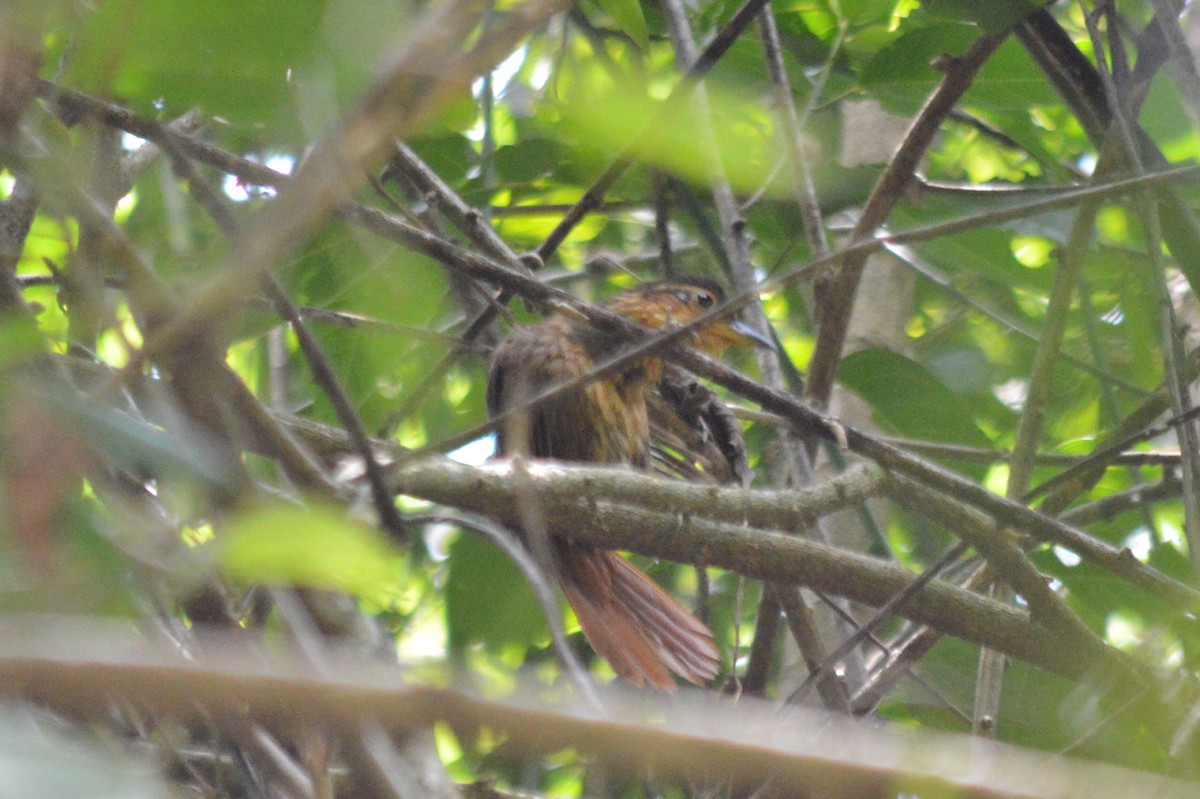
pixel 181 449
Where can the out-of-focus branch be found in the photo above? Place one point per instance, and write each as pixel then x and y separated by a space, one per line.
pixel 76 668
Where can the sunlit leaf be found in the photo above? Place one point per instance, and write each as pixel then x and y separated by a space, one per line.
pixel 315 547
pixel 629 18
pixel 527 160
pixel 743 142
pixel 196 52
pixel 902 74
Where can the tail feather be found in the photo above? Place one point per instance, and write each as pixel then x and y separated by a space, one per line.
pixel 626 649
pixel 676 630
pixel 632 623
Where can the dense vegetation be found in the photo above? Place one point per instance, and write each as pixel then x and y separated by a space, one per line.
pixel 254 257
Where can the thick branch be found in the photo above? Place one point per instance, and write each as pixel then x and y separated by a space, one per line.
pixel 676 535
pixel 567 484
pixel 76 669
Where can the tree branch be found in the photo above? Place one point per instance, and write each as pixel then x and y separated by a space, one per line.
pixel 76 668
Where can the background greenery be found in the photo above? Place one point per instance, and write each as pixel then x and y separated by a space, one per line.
pixel 178 177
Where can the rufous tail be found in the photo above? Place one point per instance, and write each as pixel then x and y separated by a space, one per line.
pixel 632 623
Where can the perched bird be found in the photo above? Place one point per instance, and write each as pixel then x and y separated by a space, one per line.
pixel 631 622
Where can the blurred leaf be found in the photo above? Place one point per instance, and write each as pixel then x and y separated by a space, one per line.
pixel 1169 560
pixel 1010 81
pixel 230 57
pixel 629 18
pixel 618 119
pixel 901 75
pixel 909 398
pixel 450 155
pixel 141 449
pixel 20 342
pixel 983 254
pixel 1165 118
pixel 316 547
pixel 863 12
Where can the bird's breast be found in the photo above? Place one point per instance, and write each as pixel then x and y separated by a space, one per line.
pixel 619 422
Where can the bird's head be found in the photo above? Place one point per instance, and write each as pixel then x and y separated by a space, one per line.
pixel 679 301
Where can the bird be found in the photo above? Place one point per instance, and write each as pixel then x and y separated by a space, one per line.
pixel 630 621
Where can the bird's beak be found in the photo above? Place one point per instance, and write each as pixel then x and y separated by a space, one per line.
pixel 749 334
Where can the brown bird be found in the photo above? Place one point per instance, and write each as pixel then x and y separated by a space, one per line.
pixel 631 622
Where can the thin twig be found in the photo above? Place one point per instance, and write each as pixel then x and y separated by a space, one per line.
pixel 322 370
pixel 781 90
pixel 883 614
pixel 835 316
pixel 535 577
pixel 1189 441
pixel 697 69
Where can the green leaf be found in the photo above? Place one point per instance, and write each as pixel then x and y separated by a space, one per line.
pixel 230 57
pixel 20 341
pixel 909 398
pixel 140 448
pixel 901 75
pixel 312 546
pixel 745 145
pixel 488 600
pixel 865 12
pixel 1010 81
pixel 993 16
pixel 526 160
pixel 629 17
pixel 450 155
pixel 1164 117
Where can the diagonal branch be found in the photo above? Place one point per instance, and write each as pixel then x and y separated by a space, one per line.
pixel 836 304
pixel 682 537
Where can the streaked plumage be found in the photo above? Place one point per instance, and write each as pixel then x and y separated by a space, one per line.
pixel 628 619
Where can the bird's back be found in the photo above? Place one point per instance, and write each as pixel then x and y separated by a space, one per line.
pixel 604 421
pixel 629 620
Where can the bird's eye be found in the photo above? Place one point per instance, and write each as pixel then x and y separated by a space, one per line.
pixel 704 299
